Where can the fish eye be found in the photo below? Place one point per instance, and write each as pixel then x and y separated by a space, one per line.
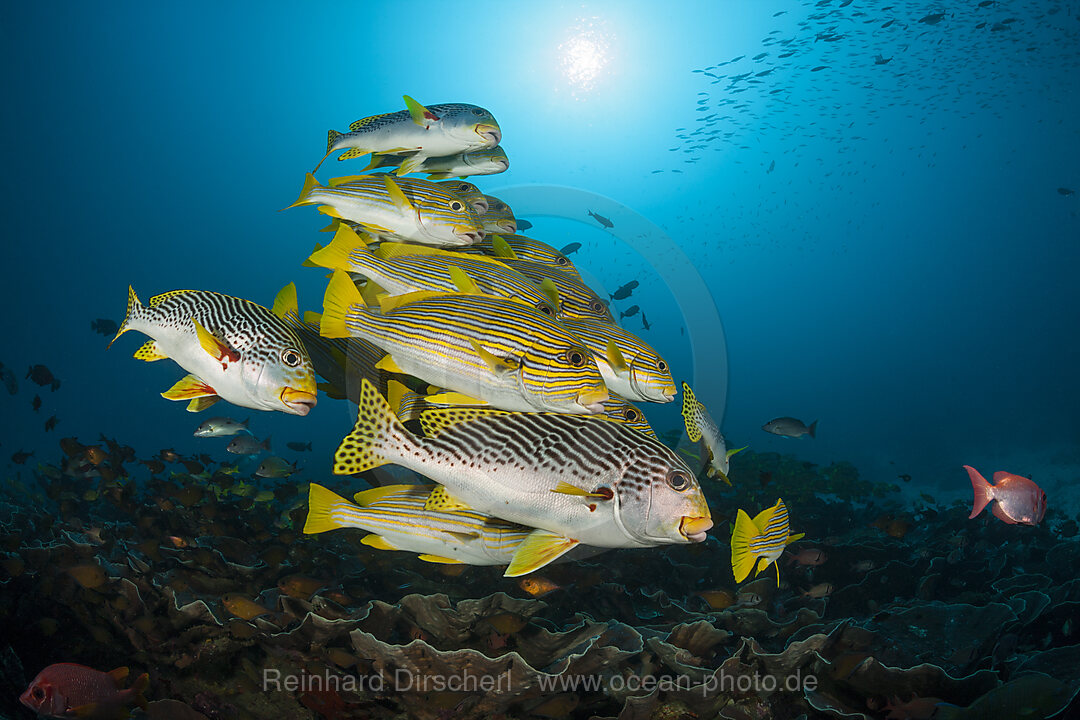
pixel 576 358
pixel 463 187
pixel 678 480
pixel 562 261
pixel 477 111
pixel 662 366
pixel 455 205
pixel 632 415
pixel 291 357
pixel 598 306
pixel 545 308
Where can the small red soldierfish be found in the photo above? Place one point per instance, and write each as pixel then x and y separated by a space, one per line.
pixel 67 690
pixel 809 557
pixel 1019 500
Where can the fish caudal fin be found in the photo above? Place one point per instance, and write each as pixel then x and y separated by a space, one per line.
pixel 137 690
pixel 134 309
pixel 984 491
pixel 321 506
pixel 310 183
pixel 742 560
pixel 690 414
pixel 331 138
pixel 376 435
pixel 336 255
pixel 813 429
pixel 341 295
pixel 537 550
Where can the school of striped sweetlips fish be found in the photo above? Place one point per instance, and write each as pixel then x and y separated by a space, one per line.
pixel 478 358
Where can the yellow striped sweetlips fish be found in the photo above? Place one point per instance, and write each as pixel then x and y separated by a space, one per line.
pixel 409 405
pixel 701 427
pixel 576 478
pixel 520 247
pixel 576 299
pixel 422 132
pixel 405 209
pixel 234 350
pixel 397 520
pixel 398 268
pixel 499 218
pixel 467 192
pixel 487 349
pixel 761 541
pixel 629 365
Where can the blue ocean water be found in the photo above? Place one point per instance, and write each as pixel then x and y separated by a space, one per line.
pixel 891 248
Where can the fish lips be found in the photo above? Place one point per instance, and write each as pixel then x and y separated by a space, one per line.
pixel 694 529
pixel 299 402
pixel 491 132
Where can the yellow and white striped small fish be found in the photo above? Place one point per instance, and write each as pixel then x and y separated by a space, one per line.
pixel 406 209
pixel 576 299
pixel 488 349
pixel 760 541
pixel 630 366
pixel 520 247
pixel 397 520
pixel 467 192
pixel 422 132
pixel 234 350
pixel 399 268
pixel 701 427
pixel 499 218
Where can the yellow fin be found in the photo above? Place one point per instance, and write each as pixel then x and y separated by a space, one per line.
pixel 378 542
pixel 435 420
pixel 392 302
pixel 389 365
pixel 455 398
pixel 366 497
pixel 214 346
pixel 420 114
pixel 537 550
pixel 462 281
pixel 353 153
pixel 310 183
pixel 763 517
pixel 118 675
pixel 201 403
pixel 388 250
pixel 689 413
pixel 332 227
pixel 742 560
pixel 188 388
pixel 616 360
pixel 329 211
pixel 371 293
pixel 149 352
pixel 312 318
pixel 341 295
pixel 499 366
pixel 376 432
pixel 440 500
pixel 307 262
pixel 344 179
pixel 565 488
pixel 736 450
pixel 336 255
pixel 502 248
pixel 133 307
pixel 713 472
pixel 400 201
pixel 321 503
pixel 795 538
pixel 405 403
pixel 547 286
pixel 285 302
pixel 426 557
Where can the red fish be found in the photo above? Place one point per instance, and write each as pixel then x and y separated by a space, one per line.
pixel 67 690
pixel 1019 500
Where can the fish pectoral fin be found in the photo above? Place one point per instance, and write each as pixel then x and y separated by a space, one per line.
pixel 427 557
pixel 463 282
pixel 537 550
pixel 499 366
pixel 565 488
pixel 378 542
pixel 616 360
pixel 149 352
pixel 736 450
pixel 455 398
pixel 329 211
pixel 400 201
pixel 441 500
pixel 387 363
pixel 214 346
pixel 201 403
pixel 795 538
pixel 551 292
pixel 502 248
pixel 420 114
pixel 464 537
pixel 188 388
pixel 411 164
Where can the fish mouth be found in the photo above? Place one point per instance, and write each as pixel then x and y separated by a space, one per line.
pixel 299 402
pixel 593 401
pixel 668 393
pixel 490 131
pixel 694 528
pixel 469 237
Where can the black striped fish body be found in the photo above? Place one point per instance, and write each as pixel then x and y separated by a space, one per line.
pixel 405 209
pixel 422 132
pixel 700 426
pixel 398 520
pixel 520 247
pixel 494 350
pixel 499 218
pixel 233 349
pixel 400 268
pixel 576 299
pixel 629 365
pixel 579 477
pixel 467 192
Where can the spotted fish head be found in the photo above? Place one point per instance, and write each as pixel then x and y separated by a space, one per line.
pixel 475 127
pixel 281 376
pixel 660 500
pixel 563 381
pixel 650 376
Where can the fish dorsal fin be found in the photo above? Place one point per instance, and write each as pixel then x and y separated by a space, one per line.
pixel 420 114
pixel 158 299
pixel 388 364
pixel 499 366
pixel 118 676
pixel 214 346
pixel 392 302
pixel 332 227
pixel 690 413
pixel 364 122
pixel 188 388
pixel 378 542
pixel 462 281
pixel 371 293
pixel 547 286
pixel 537 550
pixel 286 302
pixel 401 202
pixel 201 403
pixel 616 360
pixel 345 179
pixel 308 262
pixel 502 248
pixel 149 352
pixel 367 497
pixel 405 403
pixel 428 557
pixel 763 517
pixel 390 250
pixel 312 318
pixel 440 500
pixel 435 420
